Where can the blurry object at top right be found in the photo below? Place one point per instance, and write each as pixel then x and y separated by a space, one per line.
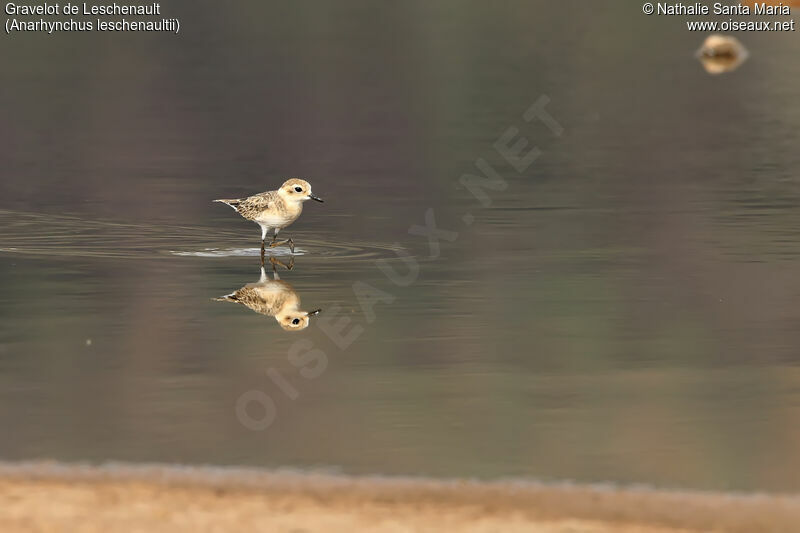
pixel 721 53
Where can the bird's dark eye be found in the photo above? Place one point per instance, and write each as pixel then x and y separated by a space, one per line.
pixel 296 321
pixel 298 189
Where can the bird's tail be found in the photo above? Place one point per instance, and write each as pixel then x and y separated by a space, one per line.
pixel 234 203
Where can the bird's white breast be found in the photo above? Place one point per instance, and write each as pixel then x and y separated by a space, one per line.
pixel 280 216
pixel 274 220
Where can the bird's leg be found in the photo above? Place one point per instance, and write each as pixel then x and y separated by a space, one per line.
pixel 290 242
pixel 276 261
pixel 275 242
pixel 264 230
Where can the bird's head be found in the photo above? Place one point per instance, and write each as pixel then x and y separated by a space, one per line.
pixel 297 190
pixel 295 320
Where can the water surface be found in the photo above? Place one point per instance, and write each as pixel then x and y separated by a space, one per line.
pixel 625 310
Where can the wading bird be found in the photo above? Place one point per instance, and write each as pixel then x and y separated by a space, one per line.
pixel 274 209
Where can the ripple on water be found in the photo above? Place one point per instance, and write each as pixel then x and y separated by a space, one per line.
pixel 37 234
pixel 237 252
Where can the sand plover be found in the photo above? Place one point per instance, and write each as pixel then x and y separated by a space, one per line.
pixel 273 297
pixel 274 209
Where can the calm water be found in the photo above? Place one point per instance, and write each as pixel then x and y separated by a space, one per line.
pixel 626 310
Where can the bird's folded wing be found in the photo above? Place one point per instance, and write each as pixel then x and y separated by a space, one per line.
pixel 252 206
pixel 258 201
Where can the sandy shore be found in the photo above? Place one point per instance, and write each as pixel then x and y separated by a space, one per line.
pixel 50 497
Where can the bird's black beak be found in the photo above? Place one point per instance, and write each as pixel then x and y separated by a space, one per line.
pixel 315 198
pixel 315 312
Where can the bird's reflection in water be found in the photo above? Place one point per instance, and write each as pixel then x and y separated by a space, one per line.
pixel 273 297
